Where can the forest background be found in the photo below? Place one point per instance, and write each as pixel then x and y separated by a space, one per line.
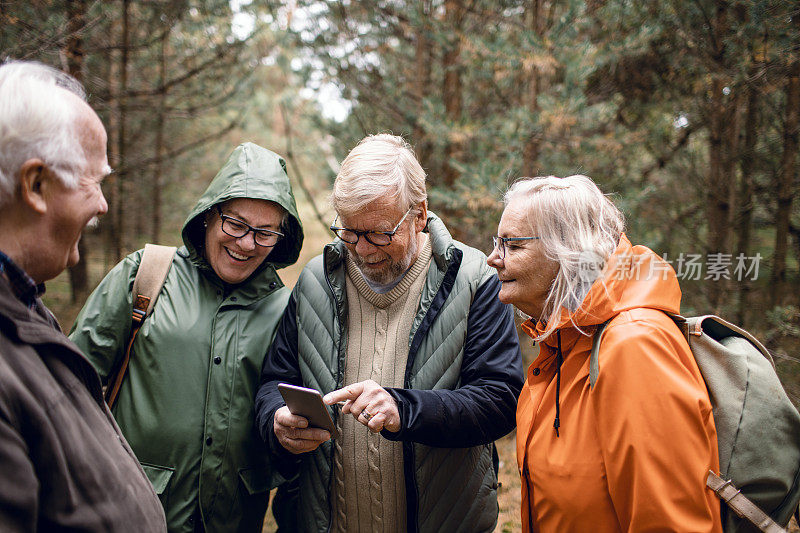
pixel 688 111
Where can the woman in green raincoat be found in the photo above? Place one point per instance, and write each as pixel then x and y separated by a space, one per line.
pixel 186 404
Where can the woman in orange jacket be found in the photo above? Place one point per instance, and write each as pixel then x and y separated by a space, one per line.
pixel 632 453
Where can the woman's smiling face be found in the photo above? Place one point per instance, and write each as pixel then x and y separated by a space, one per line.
pixel 526 273
pixel 235 259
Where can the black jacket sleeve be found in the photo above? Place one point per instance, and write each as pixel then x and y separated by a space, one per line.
pixel 280 366
pixel 483 408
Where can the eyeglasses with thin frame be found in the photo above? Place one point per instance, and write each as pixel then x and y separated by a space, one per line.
pixel 499 243
pixel 239 229
pixel 376 238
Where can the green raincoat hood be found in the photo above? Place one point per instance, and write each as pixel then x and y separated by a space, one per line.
pixel 250 172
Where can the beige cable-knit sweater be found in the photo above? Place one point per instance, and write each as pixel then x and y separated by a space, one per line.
pixel 369 488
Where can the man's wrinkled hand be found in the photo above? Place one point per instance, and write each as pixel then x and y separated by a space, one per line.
pixel 369 403
pixel 294 434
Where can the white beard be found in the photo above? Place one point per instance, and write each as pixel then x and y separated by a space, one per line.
pixel 395 269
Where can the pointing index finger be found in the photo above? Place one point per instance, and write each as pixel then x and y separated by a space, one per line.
pixel 350 392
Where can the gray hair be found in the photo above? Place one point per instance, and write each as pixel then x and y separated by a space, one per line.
pixel 579 229
pixel 37 120
pixel 379 166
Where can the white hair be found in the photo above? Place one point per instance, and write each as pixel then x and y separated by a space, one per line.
pixel 38 120
pixel 379 166
pixel 579 229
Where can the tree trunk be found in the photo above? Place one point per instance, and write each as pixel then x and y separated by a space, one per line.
pixel 745 199
pixel 718 207
pixel 452 90
pixel 73 50
pixel 158 148
pixel 422 82
pixel 723 138
pixel 784 185
pixel 121 218
pixel 530 151
pixel 730 156
pixel 111 183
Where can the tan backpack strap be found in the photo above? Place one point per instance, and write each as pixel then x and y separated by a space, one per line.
pixel 742 505
pixel 150 278
pixel 151 275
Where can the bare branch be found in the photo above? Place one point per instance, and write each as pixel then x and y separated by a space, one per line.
pixel 183 149
pixel 295 170
pixel 667 156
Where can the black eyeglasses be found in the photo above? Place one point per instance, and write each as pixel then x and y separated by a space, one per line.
pixel 238 229
pixel 376 238
pixel 499 243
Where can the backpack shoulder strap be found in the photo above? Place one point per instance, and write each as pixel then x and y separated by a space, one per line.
pixel 718 328
pixel 741 504
pixel 594 357
pixel 150 277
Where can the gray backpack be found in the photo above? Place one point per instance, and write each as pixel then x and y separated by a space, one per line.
pixel 758 428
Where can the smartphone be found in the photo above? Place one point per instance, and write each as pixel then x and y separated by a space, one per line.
pixel 308 403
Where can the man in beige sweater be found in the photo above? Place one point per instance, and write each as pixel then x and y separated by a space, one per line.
pixel 402 324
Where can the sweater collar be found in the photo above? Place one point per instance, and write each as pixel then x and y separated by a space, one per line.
pixel 383 300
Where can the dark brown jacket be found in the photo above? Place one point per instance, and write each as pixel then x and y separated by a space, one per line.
pixel 64 464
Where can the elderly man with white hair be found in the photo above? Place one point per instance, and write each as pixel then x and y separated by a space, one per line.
pixel 64 465
pixel 402 325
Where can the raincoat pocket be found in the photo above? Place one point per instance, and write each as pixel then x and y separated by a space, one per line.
pixel 159 476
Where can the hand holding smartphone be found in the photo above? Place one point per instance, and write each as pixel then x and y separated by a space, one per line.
pixel 308 403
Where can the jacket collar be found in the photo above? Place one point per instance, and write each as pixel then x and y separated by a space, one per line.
pixel 31 326
pixel 21 283
pixel 442 244
pixel 38 327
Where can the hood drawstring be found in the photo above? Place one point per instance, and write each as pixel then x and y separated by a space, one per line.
pixel 559 361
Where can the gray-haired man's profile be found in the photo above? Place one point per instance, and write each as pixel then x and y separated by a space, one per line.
pixel 64 465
